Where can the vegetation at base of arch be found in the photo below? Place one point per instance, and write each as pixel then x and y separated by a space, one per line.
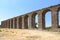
pixel 59 26
pixel 49 28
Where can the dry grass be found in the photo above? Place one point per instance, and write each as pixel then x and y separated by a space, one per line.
pixel 25 34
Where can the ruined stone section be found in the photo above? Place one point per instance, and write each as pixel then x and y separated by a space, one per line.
pixel 22 22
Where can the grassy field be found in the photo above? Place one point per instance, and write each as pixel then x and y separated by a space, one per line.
pixel 26 34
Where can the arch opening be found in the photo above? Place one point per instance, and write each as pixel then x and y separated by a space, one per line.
pixel 48 21
pixel 36 21
pixel 58 17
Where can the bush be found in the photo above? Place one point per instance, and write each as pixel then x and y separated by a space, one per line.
pixel 48 28
pixel 0 30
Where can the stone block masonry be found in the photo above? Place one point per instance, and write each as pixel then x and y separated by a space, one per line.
pixel 27 21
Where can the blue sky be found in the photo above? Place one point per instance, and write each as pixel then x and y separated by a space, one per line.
pixel 12 8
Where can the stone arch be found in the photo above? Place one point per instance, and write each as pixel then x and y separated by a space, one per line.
pixel 45 12
pixel 34 19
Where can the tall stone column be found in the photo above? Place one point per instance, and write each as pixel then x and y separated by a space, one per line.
pixel 8 23
pixel 17 22
pixel 26 21
pixel 41 21
pixel 11 23
pixel 20 22
pixel 14 22
pixel 33 21
pixel 5 24
pixel 23 22
pixel 30 22
pixel 54 19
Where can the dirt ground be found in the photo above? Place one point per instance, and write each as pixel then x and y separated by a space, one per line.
pixel 26 34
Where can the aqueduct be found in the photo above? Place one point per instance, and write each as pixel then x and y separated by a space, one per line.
pixel 27 21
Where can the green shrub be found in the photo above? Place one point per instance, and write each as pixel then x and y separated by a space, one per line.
pixel 0 30
pixel 48 28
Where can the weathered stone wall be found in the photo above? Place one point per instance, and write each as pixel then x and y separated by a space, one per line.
pixel 27 21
